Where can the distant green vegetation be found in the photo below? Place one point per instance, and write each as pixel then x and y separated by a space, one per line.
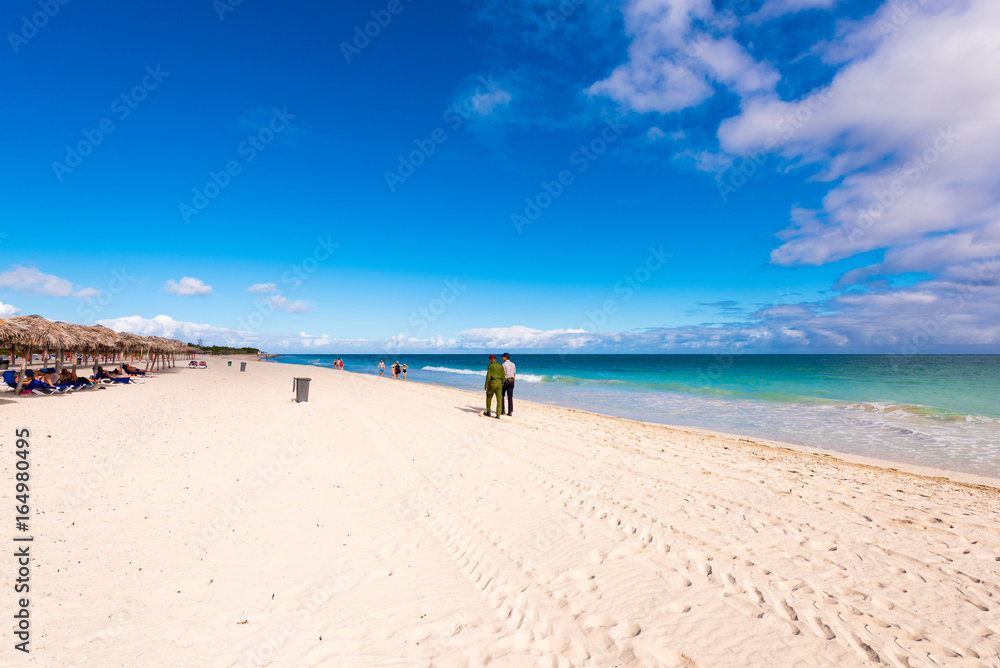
pixel 226 350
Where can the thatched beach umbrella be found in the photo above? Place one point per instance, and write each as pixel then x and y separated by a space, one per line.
pixel 155 350
pixel 9 332
pixel 69 342
pixel 129 343
pixel 177 347
pixel 105 338
pixel 82 341
pixel 38 333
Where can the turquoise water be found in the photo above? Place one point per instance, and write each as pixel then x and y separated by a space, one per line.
pixel 931 410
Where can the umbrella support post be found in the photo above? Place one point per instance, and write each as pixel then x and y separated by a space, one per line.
pixel 24 365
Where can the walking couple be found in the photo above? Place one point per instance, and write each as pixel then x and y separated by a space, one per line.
pixel 500 383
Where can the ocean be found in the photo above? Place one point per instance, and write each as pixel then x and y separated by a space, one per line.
pixel 941 411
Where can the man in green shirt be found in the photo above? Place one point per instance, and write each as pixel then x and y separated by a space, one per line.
pixel 494 384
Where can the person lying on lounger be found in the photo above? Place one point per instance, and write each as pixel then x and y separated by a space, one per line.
pixel 67 377
pixel 104 375
pixel 118 373
pixel 38 383
pixel 49 379
pixel 133 371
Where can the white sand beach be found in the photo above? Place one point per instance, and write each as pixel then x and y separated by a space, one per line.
pixel 204 519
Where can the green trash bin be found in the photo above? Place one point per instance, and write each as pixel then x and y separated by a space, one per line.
pixel 230 362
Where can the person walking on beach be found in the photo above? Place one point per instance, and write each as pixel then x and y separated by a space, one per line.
pixel 507 396
pixel 395 371
pixel 494 386
pixel 404 372
pixel 381 367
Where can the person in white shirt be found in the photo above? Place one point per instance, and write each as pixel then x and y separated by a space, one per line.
pixel 508 385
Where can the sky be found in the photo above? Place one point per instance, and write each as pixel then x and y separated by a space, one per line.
pixel 801 176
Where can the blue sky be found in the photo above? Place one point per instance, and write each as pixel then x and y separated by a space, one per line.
pixel 633 176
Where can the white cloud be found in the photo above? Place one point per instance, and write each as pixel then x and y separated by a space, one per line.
pixel 265 288
pixel 910 126
pixel 774 8
pixel 187 286
pixel 679 49
pixel 484 103
pixel 166 326
pixel 309 341
pixel 524 338
pixel 284 304
pixel 7 310
pixel 707 161
pixel 32 281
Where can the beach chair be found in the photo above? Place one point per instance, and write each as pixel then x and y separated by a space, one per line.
pixel 202 365
pixel 192 364
pixel 107 379
pixel 80 387
pixel 32 385
pixel 38 387
pixel 121 373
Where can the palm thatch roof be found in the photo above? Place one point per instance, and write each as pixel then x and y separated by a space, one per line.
pixel 39 333
pixel 104 337
pixel 9 332
pixel 130 342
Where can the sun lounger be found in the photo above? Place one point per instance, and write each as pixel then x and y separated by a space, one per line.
pixel 105 379
pixel 119 373
pixel 10 379
pixel 32 385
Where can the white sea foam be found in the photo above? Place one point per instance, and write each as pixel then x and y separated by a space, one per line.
pixel 526 377
pixel 444 369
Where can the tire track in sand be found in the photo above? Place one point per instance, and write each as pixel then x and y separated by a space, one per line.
pixel 535 616
pixel 749 588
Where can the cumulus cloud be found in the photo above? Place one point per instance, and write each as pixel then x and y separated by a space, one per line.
pixel 906 132
pixel 166 326
pixel 264 288
pixel 943 315
pixel 519 337
pixel 909 129
pixel 187 286
pixel 282 303
pixel 34 282
pixel 679 49
pixel 7 310
pixel 310 341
